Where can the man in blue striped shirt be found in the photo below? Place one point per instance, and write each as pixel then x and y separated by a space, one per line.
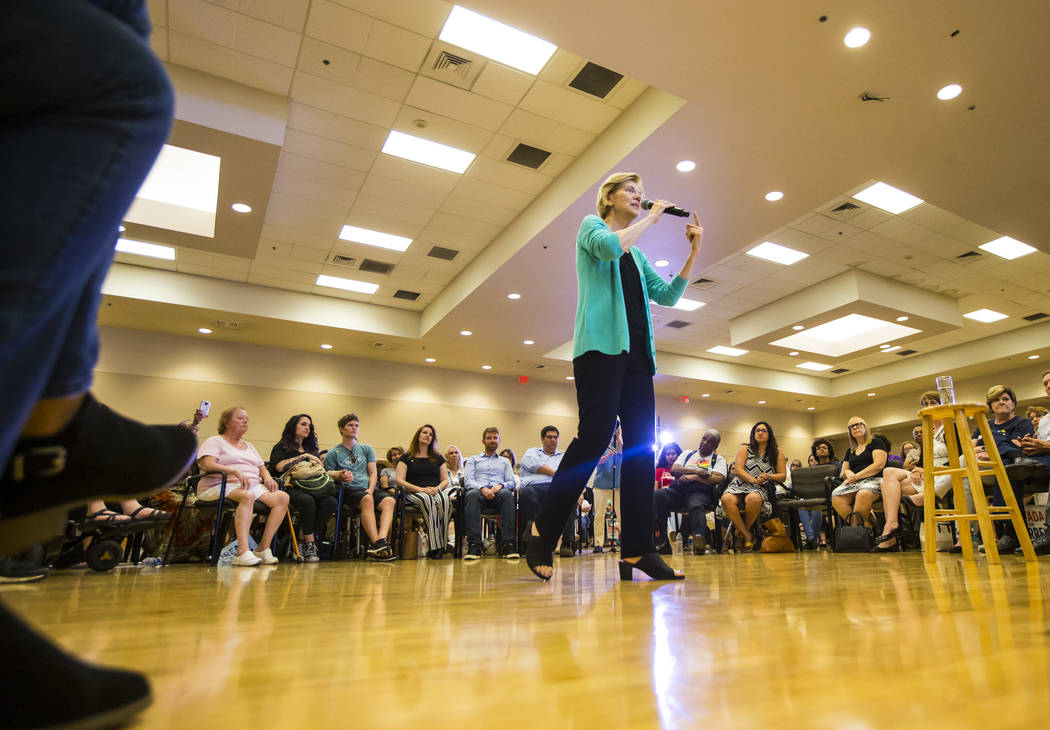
pixel 489 480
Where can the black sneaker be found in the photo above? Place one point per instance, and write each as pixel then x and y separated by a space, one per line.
pixel 1007 544
pixel 378 550
pixel 510 550
pixel 91 696
pixel 13 570
pixel 473 553
pixel 1041 545
pixel 98 455
pixel 699 546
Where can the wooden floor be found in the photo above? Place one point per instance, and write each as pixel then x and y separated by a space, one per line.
pixel 809 640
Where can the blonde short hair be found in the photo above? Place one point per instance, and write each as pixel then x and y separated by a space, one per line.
pixel 610 185
pixel 867 432
pixel 996 392
pixel 227 416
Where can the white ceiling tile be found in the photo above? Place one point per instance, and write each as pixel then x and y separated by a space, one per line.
pixel 469 226
pixel 158 42
pixel 728 273
pixel 286 235
pixel 568 106
pixel 203 20
pixel 942 246
pixel 158 12
pixel 391 208
pixel 625 93
pixel 450 238
pixel 884 268
pixel 412 172
pixel 263 258
pixel 403 193
pixel 499 147
pixel 354 103
pixel 281 273
pixel 841 232
pixel 296 222
pixel 902 231
pixel 383 79
pixel 530 128
pixel 327 150
pixel 290 14
pixel 468 208
pixel 456 103
pixel 815 224
pixel 342 64
pixel 308 253
pixel 931 217
pixel 569 140
pixel 308 207
pixel 508 175
pixel 798 240
pixel 228 64
pixel 281 283
pixel 319 172
pixel 425 17
pixel 971 233
pixel 441 129
pixel 264 40
pixel 561 67
pixel 502 83
pixel 397 46
pixel 497 195
pixel 289 185
pixel 337 25
pixel 555 164
pixel 870 218
pixel 334 126
pixel 439 277
pixel 212 272
pixel 193 257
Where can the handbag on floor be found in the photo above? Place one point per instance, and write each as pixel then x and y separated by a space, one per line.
pixel 854 537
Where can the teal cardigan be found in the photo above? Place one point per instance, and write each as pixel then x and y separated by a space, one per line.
pixel 601 316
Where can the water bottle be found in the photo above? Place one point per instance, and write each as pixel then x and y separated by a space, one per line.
pixel 152 562
pixel 678 544
pixel 422 544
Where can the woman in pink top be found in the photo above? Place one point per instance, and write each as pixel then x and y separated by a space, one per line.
pixel 246 481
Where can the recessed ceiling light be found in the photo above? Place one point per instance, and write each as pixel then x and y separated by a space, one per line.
pixel 731 351
pixel 1007 248
pixel 891 349
pixel 661 263
pixel 793 353
pixel 528 342
pixel 888 198
pixel 204 331
pixel 798 327
pixel 949 92
pixel 423 151
pixel 985 315
pixel 496 40
pixel 776 253
pixel 761 403
pixel 857 37
pixel 902 318
pixel 180 193
pixel 689 305
pixel 335 282
pixel 241 208
pixel 845 334
pixel 486 367
pixel 374 238
pixel 705 395
pixel 121 229
pixel 466 333
pixel 1033 357
pixel 774 195
pixel 883 347
pixel 686 166
pixel 514 295
pixel 429 359
pixel 326 347
pixel 569 377
pixel 811 408
pixel 871 395
pixel 818 366
pixel 141 248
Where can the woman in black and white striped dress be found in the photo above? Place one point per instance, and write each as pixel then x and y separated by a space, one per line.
pixel 758 462
pixel 422 473
pixel 861 471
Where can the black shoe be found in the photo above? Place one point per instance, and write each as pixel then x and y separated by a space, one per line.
pixel 812 544
pixel 14 570
pixel 473 553
pixel 664 548
pixel 1007 544
pixel 380 550
pixel 699 546
pixel 34 670
pixel 652 565
pixel 510 550
pixel 98 455
pixel 597 549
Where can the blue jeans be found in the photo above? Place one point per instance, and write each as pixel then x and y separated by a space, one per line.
pixel 84 109
pixel 812 521
pixel 473 500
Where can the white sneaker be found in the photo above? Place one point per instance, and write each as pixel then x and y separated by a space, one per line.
pixel 266 556
pixel 247 559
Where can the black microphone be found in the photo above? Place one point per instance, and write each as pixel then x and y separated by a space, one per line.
pixel 647 204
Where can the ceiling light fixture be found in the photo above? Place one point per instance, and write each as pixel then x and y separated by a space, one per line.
pixel 241 208
pixel 423 151
pixel 204 331
pixel 902 318
pixel 466 333
pixel 528 342
pixel 811 408
pixel 335 282
pixel 705 395
pixel 686 166
pixel 845 334
pixel 798 327
pixel 569 377
pixel 496 40
pixel 688 305
pixel 949 92
pixel 180 193
pixel 776 253
pixel 818 366
pixel 661 263
pixel 888 198
pixel 883 347
pixel 731 351
pixel 871 395
pixel 793 353
pixel 486 367
pixel 121 229
pixel 355 234
pixel 774 195
pixel 429 359
pixel 514 295
pixel 891 349
pixel 1033 357
pixel 761 403
pixel 1007 248
pixel 326 347
pixel 857 37
pixel 141 248
pixel 985 315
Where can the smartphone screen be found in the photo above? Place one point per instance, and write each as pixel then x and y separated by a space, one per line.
pixel 205 407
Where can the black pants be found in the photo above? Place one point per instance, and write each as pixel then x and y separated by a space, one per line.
pixel 529 502
pixel 607 386
pixel 696 499
pixel 313 512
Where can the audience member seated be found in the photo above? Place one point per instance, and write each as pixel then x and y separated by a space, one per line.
pixel 668 456
pixel 388 473
pixel 605 485
pixel 820 452
pixel 490 481
pixel 356 463
pixel 1038 447
pixel 246 481
pixel 1035 414
pixel 698 475
pixel 537 470
pixel 811 460
pixel 299 443
pixel 130 511
pixel 454 465
pixel 508 454
pixel 909 455
pixel 423 475
pixel 861 472
pixel 758 462
pixel 1008 430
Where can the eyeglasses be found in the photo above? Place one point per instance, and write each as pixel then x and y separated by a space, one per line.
pixel 856 425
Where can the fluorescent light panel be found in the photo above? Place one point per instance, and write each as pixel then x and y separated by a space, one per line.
pixel 688 305
pixel 496 40
pixel 426 152
pixel 141 248
pixel 1007 248
pixel 985 315
pixel 731 351
pixel 335 282
pixel 818 366
pixel 888 198
pixel 776 253
pixel 374 238
pixel 844 335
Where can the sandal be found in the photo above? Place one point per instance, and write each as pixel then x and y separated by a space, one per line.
pixel 536 556
pixel 653 566
pixel 155 515
pixel 106 518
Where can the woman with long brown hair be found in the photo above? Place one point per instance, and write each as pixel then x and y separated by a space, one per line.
pixel 422 473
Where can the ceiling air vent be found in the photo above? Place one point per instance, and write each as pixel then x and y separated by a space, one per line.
pixel 344 260
pixel 844 211
pixel 907 352
pixel 376 267
pixel 406 294
pixel 839 371
pixel 703 283
pixel 595 80
pixel 967 257
pixel 678 324
pixel 1036 316
pixel 528 156
pixel 227 324
pixel 452 65
pixel 445 254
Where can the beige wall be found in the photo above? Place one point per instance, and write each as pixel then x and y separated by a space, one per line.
pixel 161 378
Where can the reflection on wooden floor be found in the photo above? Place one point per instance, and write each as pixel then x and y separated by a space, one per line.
pixel 809 640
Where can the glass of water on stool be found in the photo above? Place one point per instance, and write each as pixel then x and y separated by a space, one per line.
pixel 946 389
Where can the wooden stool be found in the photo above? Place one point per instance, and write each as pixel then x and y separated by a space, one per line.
pixel 973 470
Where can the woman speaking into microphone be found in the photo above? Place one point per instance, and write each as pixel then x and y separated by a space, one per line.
pixel 613 365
